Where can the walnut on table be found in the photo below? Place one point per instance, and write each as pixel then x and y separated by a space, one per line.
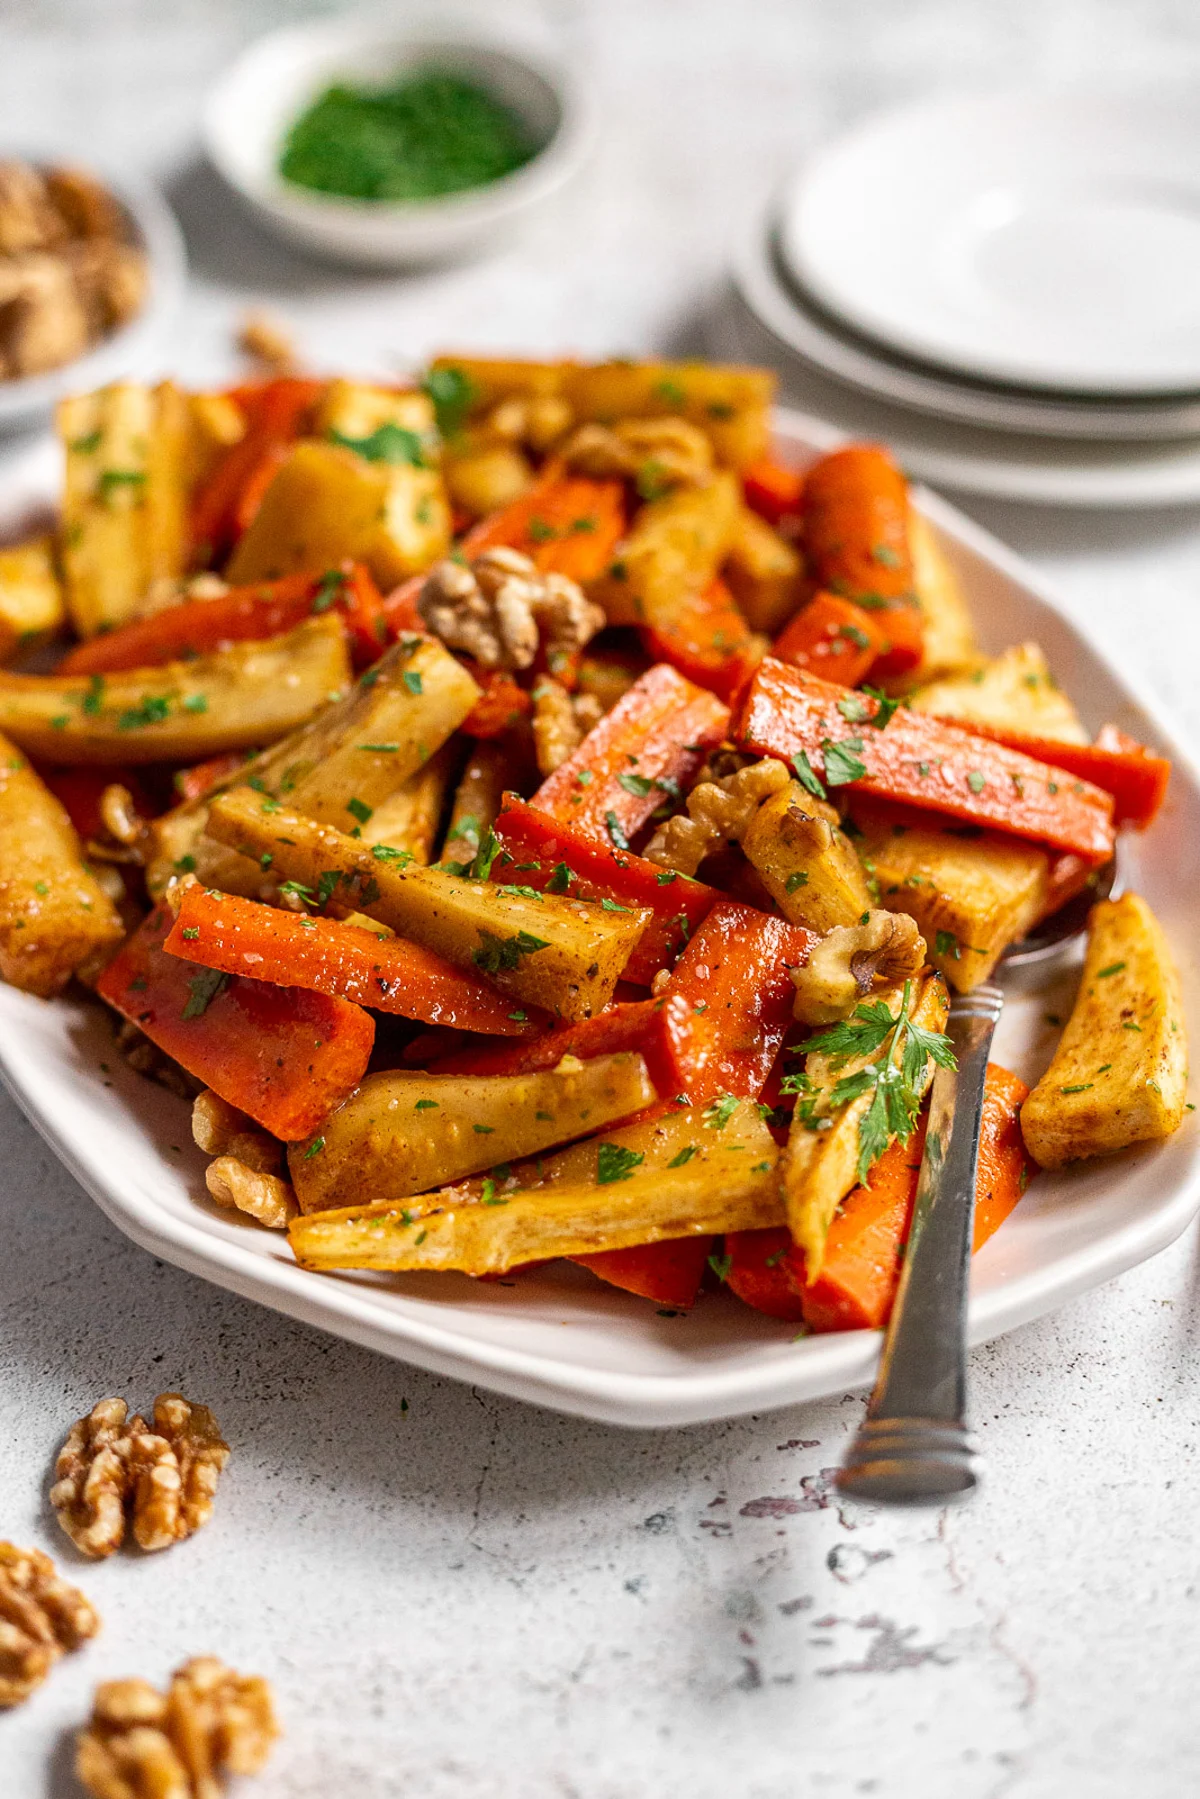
pixel 143 1744
pixel 115 1469
pixel 501 608
pixel 41 1618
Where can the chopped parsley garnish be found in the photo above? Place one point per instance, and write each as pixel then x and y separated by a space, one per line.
pixel 153 709
pixel 685 1155
pixel 884 706
pixel 452 392
pixel 612 825
pixel 329 589
pixel 93 699
pixel 842 762
pixel 666 876
pixel 190 932
pixel 640 785
pixel 203 989
pixel 804 773
pixel 561 879
pixel 1102 974
pixel 975 780
pixel 412 680
pixel 1083 1087
pixel 722 1109
pixel 388 443
pixel 112 480
pixel 722 1267
pixel 798 879
pixel 893 1081
pixel 947 944
pixel 502 954
pixel 314 1148
pixel 485 855
pixel 426 1105
pixel 615 1163
pixel 382 852
pixel 359 809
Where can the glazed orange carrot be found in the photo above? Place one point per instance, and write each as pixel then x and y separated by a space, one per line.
pixel 265 609
pixel 287 949
pixel 500 705
pixel 708 640
pixel 731 999
pixel 647 747
pixel 832 638
pixel 277 414
pixel 567 524
pixel 668 1273
pixel 1136 778
pixel 856 544
pixel 756 1270
pixel 194 782
pixel 284 1056
pixel 926 762
pixel 857 1283
pixel 774 492
pixel 540 851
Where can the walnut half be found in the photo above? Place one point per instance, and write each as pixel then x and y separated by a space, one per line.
pixel 41 1617
pixel 844 965
pixel 143 1744
pixel 114 1468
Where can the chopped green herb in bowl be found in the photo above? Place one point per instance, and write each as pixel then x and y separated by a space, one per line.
pixel 429 134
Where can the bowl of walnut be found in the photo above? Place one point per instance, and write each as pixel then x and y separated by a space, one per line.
pixel 91 269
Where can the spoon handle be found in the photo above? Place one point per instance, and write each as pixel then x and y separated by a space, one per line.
pixel 913 1447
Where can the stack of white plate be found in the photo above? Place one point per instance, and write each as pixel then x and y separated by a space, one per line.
pixel 1006 289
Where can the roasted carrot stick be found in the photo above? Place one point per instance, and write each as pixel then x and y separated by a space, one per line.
pixel 277 414
pixel 832 638
pixel 927 762
pixel 856 544
pixel 265 609
pixel 501 705
pixel 757 1272
pixel 668 1273
pixel 857 1283
pixel 287 949
pixel 284 1056
pixel 708 640
pixel 774 492
pixel 730 1001
pixel 1136 778
pixel 541 851
pixel 650 744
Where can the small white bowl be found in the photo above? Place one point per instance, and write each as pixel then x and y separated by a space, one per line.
pixel 250 111
pixel 130 350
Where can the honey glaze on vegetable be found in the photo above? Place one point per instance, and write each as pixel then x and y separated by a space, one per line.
pixel 547 828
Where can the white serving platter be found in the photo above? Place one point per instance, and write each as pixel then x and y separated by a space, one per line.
pixel 559 1338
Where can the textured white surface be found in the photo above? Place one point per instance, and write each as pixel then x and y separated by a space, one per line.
pixel 458 1597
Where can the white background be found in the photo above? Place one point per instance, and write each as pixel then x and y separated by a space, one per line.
pixel 456 1596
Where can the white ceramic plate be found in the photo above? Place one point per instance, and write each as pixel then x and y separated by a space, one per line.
pixel 1045 238
pixel 767 287
pixel 1006 465
pixel 249 112
pixel 558 1337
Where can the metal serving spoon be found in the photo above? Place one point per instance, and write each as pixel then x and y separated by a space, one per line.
pixel 914 1446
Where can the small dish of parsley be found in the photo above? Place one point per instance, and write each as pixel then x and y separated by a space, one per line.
pixel 386 145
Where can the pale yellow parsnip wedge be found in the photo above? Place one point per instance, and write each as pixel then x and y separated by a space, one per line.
pixel 1119 1074
pixel 401 1133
